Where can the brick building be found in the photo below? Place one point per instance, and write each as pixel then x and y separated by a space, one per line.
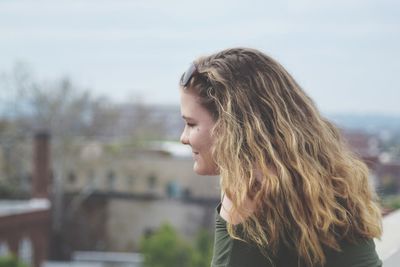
pixel 25 224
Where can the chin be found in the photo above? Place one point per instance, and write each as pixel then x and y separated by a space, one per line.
pixel 200 170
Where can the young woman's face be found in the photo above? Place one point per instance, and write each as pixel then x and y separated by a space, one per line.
pixel 197 133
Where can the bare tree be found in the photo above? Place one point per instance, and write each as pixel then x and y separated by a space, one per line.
pixel 69 113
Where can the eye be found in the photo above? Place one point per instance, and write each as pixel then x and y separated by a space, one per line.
pixel 190 124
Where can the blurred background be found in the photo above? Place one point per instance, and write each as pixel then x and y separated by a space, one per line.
pixel 91 169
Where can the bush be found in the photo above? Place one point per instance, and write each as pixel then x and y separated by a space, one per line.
pixel 11 261
pixel 165 248
pixel 391 202
pixel 203 250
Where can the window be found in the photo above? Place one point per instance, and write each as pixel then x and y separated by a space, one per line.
pixel 71 177
pixel 151 181
pixel 111 180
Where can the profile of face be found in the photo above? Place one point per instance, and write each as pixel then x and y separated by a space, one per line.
pixel 197 132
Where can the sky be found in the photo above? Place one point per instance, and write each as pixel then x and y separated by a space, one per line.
pixel 345 54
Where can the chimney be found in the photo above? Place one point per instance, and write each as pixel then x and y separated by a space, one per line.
pixel 41 165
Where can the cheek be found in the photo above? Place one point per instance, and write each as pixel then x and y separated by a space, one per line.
pixel 196 137
pixel 205 142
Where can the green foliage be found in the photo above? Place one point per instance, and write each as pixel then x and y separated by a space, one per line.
pixel 11 261
pixel 391 202
pixel 389 186
pixel 165 248
pixel 8 191
pixel 203 250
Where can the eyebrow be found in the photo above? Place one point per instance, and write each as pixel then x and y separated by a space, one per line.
pixel 187 118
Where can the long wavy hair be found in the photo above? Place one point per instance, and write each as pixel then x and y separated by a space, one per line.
pixel 273 146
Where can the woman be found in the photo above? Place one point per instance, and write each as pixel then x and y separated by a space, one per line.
pixel 292 192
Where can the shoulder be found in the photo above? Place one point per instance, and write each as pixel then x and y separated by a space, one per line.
pixel 230 252
pixel 360 253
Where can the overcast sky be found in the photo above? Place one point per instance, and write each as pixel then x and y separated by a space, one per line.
pixel 345 54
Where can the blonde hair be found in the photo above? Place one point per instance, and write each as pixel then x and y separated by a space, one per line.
pixel 274 147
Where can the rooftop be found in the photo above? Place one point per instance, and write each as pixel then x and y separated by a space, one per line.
pixel 14 207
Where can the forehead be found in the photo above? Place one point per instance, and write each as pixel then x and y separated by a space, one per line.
pixel 191 107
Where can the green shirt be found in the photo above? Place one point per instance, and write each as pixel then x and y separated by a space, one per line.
pixel 230 252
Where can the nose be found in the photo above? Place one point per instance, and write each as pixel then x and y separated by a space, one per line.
pixel 184 138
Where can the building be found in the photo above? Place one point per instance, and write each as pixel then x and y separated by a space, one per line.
pixel 25 224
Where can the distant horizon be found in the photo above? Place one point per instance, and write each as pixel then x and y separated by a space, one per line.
pixel 141 100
